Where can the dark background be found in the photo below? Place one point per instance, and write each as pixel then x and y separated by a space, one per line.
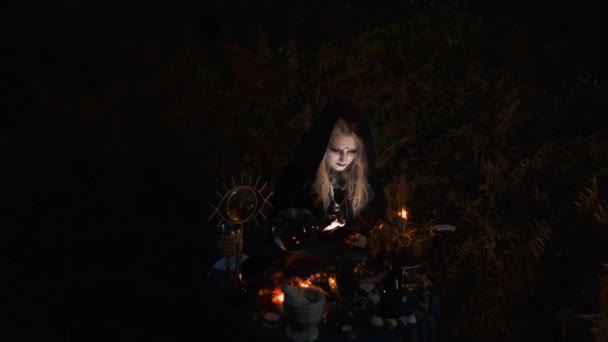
pixel 106 233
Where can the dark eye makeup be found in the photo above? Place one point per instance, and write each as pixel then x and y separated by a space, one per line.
pixel 338 150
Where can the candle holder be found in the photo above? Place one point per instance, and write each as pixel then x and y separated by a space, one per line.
pixel 229 244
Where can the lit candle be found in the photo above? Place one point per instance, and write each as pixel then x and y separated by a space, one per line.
pixel 403 213
pixel 277 301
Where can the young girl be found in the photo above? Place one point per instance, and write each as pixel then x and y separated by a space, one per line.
pixel 331 171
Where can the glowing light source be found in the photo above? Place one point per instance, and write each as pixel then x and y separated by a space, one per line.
pixel 279 298
pixel 403 213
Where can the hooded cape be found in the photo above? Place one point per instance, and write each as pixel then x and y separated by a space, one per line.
pixel 293 187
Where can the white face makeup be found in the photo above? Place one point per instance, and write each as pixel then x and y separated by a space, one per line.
pixel 341 151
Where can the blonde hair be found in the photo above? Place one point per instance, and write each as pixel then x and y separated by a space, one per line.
pixel 357 189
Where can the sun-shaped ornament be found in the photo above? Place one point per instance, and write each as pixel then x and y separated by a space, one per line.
pixel 239 206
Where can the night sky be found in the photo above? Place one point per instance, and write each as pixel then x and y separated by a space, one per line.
pixel 85 260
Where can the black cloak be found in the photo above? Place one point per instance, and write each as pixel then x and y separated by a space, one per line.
pixel 293 187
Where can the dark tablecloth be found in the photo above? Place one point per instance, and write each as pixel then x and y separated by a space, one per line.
pixel 236 315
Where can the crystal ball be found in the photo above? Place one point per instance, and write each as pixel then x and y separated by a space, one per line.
pixel 295 229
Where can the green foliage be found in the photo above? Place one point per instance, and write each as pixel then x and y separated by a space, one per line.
pixel 456 107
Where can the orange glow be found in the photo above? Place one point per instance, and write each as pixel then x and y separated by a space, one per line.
pixel 333 283
pixel 403 213
pixel 278 296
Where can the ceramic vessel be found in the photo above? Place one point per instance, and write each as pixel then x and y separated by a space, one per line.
pixel 303 308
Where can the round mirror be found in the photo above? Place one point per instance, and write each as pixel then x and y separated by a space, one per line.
pixel 241 204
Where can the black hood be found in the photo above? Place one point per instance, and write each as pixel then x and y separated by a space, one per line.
pixel 290 188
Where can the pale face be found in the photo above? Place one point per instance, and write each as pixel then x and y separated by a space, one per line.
pixel 341 151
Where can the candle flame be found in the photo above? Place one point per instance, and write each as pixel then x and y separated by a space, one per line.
pixel 279 297
pixel 333 283
pixel 403 213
